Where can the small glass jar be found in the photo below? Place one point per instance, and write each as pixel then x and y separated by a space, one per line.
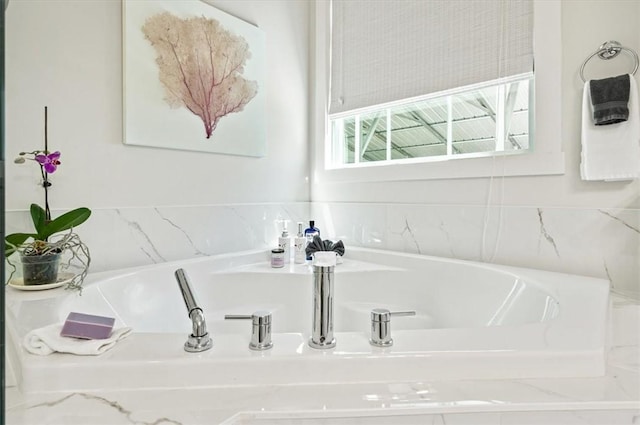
pixel 277 258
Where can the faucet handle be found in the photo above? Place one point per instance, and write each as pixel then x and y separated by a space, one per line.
pixel 381 326
pixel 384 315
pixel 260 328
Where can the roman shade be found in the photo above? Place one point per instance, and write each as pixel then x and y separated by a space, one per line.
pixel 388 50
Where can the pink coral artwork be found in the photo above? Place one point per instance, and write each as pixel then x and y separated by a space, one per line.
pixel 193 78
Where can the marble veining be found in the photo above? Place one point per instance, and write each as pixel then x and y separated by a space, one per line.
pixel 608 214
pixel 606 271
pixel 407 231
pixel 196 250
pixel 545 234
pixel 443 228
pixel 154 255
pixel 122 412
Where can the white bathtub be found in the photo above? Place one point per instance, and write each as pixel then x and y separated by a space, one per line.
pixel 473 321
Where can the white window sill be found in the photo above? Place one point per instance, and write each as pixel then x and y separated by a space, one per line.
pixel 532 164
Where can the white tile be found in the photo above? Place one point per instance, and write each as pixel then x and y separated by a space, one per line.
pixel 127 237
pixel 591 242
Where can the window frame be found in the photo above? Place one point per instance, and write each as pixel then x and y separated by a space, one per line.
pixel 546 157
pixel 447 96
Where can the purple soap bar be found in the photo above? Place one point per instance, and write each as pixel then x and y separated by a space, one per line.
pixel 87 326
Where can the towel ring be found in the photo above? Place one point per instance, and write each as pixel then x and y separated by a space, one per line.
pixel 610 50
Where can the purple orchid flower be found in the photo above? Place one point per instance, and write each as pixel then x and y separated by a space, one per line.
pixel 49 162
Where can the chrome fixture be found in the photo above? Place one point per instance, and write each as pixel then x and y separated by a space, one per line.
pixel 260 329
pixel 610 50
pixel 322 332
pixel 381 326
pixel 199 340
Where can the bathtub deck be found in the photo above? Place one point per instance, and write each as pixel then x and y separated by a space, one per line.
pixel 608 400
pixel 468 344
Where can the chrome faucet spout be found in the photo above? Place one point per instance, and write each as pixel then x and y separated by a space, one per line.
pixel 199 340
pixel 185 289
pixel 322 330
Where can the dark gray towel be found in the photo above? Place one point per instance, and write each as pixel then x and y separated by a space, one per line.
pixel 319 245
pixel 610 99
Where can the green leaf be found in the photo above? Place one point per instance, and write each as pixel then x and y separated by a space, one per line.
pixel 65 222
pixel 14 240
pixel 38 216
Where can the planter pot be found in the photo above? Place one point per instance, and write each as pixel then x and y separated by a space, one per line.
pixel 40 269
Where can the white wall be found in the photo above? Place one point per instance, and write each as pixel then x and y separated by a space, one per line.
pixel 585 26
pixel 66 54
pixel 554 222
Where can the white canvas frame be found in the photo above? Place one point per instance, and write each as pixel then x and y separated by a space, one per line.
pixel 149 120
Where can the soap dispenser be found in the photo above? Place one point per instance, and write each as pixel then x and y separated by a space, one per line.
pixel 309 233
pixel 284 242
pixel 300 245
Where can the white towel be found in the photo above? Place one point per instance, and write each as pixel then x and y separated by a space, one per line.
pixel 611 152
pixel 46 340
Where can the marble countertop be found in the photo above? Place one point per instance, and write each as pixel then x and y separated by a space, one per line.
pixel 611 399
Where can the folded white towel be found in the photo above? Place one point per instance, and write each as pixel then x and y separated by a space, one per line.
pixel 611 152
pixel 46 340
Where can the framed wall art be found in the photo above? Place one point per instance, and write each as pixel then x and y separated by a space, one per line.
pixel 193 78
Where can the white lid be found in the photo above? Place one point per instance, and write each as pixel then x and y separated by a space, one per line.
pixel 324 258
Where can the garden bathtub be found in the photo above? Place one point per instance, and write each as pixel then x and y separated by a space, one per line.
pixel 473 321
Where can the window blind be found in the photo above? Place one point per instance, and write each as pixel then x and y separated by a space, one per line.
pixel 388 50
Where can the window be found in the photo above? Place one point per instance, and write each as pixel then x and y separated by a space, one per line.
pixel 333 126
pixel 466 123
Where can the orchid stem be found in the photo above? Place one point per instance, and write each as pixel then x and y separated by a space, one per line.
pixel 45 177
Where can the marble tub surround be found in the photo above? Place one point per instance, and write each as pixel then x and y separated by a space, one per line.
pixel 602 243
pixel 128 237
pixel 609 400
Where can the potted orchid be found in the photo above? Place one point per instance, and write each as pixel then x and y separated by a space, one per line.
pixel 42 251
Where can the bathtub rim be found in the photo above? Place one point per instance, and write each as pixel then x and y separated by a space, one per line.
pixel 585 355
